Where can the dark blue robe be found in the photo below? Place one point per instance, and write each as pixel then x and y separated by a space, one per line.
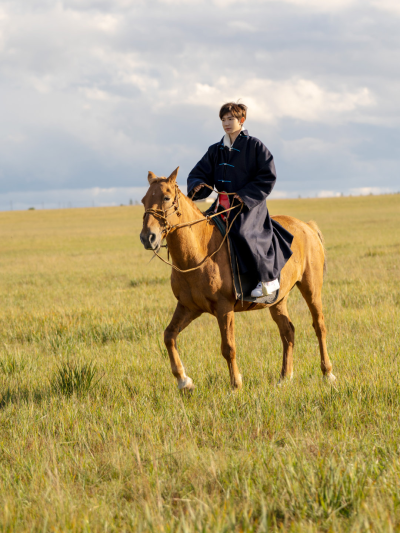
pixel 261 244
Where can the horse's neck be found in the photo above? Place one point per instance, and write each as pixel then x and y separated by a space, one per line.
pixel 189 244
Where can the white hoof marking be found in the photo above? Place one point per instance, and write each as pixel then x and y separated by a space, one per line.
pixel 185 383
pixel 238 383
pixel 331 378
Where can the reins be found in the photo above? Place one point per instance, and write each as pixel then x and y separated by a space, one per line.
pixel 163 215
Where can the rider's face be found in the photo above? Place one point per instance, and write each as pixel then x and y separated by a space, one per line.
pixel 231 124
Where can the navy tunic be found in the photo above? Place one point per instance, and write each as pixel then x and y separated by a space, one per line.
pixel 261 244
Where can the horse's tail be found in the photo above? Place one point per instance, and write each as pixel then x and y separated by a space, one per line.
pixel 313 225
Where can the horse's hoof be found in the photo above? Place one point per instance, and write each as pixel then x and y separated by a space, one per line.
pixel 186 384
pixel 237 385
pixel 284 379
pixel 330 378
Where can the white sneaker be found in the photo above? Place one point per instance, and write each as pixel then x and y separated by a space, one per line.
pixel 257 292
pixel 265 288
pixel 269 287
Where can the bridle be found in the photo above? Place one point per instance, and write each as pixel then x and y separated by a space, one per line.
pixel 163 215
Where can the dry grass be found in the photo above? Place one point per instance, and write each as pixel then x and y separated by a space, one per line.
pixel 126 452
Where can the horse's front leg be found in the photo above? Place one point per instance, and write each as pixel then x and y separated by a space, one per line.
pixel 226 322
pixel 181 319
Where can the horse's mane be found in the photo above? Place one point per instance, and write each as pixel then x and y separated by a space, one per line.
pixel 191 203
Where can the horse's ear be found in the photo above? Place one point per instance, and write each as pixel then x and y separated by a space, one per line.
pixel 174 175
pixel 151 177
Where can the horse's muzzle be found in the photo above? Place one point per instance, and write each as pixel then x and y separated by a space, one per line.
pixel 150 240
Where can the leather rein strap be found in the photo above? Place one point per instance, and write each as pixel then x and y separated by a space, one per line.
pixel 163 215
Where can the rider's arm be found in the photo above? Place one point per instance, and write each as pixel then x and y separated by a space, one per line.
pixel 261 185
pixel 202 173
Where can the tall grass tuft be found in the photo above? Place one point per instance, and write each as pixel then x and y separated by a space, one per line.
pixel 74 378
pixel 6 397
pixel 9 365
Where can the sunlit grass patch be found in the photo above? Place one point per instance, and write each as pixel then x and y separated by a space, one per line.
pixel 95 436
pixel 149 281
pixel 89 327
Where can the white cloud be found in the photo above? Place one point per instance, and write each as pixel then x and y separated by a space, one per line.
pixel 114 196
pixel 54 199
pixel 393 6
pixel 3 22
pixel 143 82
pixel 307 145
pixel 95 92
pixel 271 100
pixel 17 138
pixel 93 197
pixel 326 5
pixel 42 84
pixel 327 194
pixel 318 5
pixel 363 191
pixel 106 23
pixel 278 195
pixel 241 25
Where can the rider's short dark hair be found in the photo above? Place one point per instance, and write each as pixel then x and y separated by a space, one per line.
pixel 237 110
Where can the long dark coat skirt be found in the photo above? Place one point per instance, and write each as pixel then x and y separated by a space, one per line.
pixel 261 244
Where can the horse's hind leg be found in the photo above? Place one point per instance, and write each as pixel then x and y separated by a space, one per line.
pixel 281 317
pixel 226 322
pixel 181 319
pixel 311 291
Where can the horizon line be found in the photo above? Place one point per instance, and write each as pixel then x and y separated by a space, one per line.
pixel 69 205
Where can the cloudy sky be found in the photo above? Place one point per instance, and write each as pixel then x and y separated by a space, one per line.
pixel 94 93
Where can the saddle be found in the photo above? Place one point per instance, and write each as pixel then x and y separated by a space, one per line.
pixel 243 283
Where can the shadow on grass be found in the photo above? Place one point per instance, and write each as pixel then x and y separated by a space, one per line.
pixel 70 378
pixel 22 394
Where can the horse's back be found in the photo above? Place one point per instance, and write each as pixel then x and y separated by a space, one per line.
pixel 304 231
pixel 308 248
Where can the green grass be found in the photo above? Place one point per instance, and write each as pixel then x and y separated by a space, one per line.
pixel 94 435
pixel 74 378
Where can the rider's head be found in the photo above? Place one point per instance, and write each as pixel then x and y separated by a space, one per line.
pixel 232 116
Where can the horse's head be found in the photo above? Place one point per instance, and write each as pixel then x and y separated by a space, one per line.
pixel 159 203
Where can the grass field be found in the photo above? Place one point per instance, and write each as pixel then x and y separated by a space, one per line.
pixel 94 435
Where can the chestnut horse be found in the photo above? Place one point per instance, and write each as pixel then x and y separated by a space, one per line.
pixel 209 288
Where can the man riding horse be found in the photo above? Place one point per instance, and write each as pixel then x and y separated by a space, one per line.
pixel 242 164
pixel 201 276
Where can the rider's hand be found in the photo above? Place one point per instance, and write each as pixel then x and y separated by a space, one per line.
pixel 237 197
pixel 196 189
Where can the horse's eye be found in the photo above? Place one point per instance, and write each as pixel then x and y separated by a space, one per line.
pixel 167 198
